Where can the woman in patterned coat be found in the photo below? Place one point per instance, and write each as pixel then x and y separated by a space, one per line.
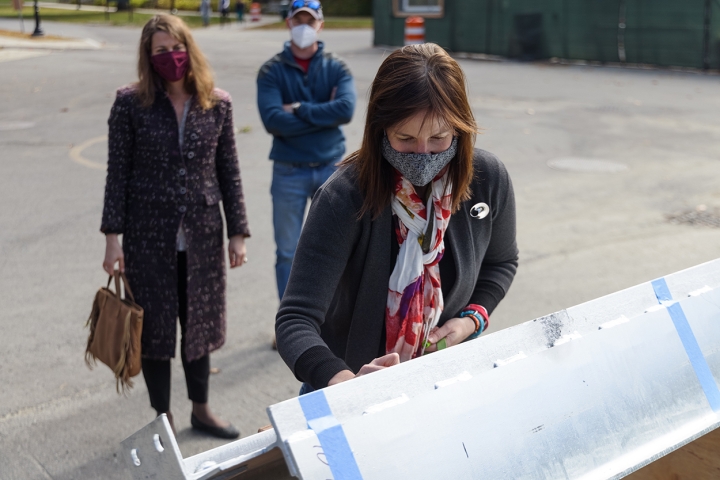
pixel 172 159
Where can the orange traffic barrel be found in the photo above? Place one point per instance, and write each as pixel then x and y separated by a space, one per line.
pixel 255 12
pixel 414 30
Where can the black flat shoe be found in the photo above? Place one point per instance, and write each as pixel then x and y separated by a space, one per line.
pixel 229 432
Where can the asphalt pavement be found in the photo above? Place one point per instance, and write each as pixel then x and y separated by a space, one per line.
pixel 600 157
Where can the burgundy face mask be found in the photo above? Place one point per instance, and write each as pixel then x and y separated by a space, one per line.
pixel 171 66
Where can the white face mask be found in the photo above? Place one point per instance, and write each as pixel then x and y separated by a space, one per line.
pixel 303 35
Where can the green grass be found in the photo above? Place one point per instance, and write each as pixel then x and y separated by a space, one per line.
pixel 80 16
pixel 332 23
pixel 139 19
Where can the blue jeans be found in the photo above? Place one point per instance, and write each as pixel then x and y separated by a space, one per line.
pixel 305 388
pixel 292 187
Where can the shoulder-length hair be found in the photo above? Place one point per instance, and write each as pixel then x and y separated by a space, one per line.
pixel 414 79
pixel 198 79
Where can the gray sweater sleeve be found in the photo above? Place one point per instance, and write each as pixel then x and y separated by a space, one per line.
pixel 323 251
pixel 501 258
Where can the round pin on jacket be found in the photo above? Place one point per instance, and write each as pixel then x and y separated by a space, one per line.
pixel 480 210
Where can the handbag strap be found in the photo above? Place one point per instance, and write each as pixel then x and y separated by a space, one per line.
pixel 117 283
pixel 128 292
pixel 117 275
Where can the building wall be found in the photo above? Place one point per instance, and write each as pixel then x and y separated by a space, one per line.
pixel 661 32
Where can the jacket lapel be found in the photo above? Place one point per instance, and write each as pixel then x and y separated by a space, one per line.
pixel 458 238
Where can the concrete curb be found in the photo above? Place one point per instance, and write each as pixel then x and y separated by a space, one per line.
pixel 69 44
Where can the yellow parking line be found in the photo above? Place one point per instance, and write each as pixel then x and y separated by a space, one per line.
pixel 77 157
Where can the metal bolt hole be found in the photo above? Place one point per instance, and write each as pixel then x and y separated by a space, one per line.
pixel 158 443
pixel 134 456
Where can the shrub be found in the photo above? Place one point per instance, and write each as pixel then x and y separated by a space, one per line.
pixel 347 8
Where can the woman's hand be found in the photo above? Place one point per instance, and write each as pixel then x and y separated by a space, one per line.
pixel 454 331
pixel 236 251
pixel 113 254
pixel 378 364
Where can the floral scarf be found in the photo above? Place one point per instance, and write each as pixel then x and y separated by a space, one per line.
pixel 415 299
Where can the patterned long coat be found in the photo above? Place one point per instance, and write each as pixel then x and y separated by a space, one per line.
pixel 151 187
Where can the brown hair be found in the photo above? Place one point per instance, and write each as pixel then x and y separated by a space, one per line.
pixel 198 79
pixel 413 79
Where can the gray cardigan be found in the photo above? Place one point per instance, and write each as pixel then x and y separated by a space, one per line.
pixel 338 286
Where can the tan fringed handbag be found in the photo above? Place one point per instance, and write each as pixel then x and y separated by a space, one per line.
pixel 115 330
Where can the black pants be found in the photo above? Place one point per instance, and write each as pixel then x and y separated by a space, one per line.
pixel 197 372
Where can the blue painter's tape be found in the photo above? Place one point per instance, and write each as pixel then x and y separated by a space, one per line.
pixel 697 359
pixel 687 337
pixel 662 292
pixel 338 454
pixel 331 435
pixel 314 405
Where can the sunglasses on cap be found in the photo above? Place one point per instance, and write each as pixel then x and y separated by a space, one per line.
pixel 312 4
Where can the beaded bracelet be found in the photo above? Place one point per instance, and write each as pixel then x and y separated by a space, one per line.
pixel 475 317
pixel 480 316
pixel 482 311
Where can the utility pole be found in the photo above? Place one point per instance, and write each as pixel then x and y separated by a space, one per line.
pixel 18 5
pixel 38 31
